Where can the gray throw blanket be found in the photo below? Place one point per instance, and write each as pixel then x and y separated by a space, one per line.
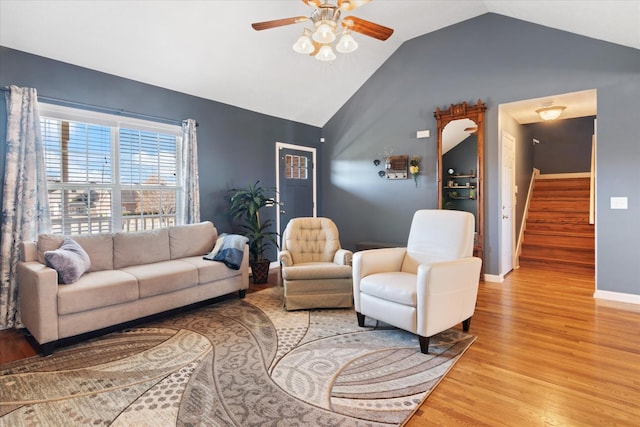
pixel 229 249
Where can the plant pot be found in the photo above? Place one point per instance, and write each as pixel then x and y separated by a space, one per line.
pixel 260 271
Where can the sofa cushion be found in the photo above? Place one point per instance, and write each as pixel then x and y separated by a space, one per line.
pixel 163 277
pixel 97 289
pixel 316 270
pixel 394 286
pixel 48 242
pixel 100 250
pixel 192 239
pixel 140 248
pixel 209 271
pixel 69 260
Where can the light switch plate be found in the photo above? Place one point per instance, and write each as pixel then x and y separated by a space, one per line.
pixel 618 203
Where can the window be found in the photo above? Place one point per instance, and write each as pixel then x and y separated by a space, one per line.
pixel 108 173
pixel 296 167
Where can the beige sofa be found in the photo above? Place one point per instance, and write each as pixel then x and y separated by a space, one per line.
pixel 132 275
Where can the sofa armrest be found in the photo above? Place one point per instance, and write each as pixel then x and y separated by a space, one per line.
pixel 38 296
pixel 446 293
pixel 343 257
pixel 28 251
pixel 285 258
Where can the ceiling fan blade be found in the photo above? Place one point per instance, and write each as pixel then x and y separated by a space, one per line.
pixel 347 5
pixel 367 28
pixel 258 26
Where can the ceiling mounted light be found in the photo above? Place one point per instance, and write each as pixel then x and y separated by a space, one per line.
pixel 550 113
pixel 347 44
pixel 327 27
pixel 324 32
pixel 325 54
pixel 304 43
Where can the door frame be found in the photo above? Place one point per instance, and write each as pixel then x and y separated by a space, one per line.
pixel 511 233
pixel 279 146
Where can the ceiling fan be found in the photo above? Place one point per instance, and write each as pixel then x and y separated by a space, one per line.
pixel 327 23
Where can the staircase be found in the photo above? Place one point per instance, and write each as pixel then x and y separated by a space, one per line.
pixel 557 234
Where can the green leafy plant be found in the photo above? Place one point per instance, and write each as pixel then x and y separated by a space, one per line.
pixel 245 205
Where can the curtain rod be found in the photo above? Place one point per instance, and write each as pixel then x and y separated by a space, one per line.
pixel 97 108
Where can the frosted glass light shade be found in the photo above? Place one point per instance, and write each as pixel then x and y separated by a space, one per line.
pixel 550 113
pixel 347 44
pixel 325 54
pixel 324 34
pixel 303 45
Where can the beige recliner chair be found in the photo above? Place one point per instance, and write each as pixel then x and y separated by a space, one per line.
pixel 316 271
pixel 427 287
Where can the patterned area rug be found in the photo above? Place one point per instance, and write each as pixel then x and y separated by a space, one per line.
pixel 236 363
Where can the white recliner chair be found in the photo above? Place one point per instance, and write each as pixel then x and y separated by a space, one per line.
pixel 316 271
pixel 427 287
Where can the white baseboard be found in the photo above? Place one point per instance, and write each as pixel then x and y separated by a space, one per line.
pixel 494 278
pixel 617 296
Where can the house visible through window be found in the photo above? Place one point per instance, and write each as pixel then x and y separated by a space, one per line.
pixel 108 173
pixel 296 167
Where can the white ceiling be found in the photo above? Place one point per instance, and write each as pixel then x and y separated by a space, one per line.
pixel 208 48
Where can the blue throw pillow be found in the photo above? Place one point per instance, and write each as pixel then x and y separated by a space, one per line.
pixel 69 260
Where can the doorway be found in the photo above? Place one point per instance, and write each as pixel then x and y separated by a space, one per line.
pixel 296 183
pixel 508 203
pixel 513 117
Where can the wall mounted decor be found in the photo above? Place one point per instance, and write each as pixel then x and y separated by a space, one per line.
pixel 397 167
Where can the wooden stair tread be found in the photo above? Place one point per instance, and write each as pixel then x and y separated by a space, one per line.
pixel 555 260
pixel 557 232
pixel 556 246
pixel 561 233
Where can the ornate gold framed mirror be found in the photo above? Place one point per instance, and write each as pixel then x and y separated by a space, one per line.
pixel 460 168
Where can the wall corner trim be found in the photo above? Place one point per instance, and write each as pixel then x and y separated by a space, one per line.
pixel 494 278
pixel 617 296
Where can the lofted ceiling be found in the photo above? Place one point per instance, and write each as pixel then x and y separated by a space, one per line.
pixel 208 48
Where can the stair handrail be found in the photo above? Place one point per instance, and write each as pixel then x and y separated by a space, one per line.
pixel 535 174
pixel 592 183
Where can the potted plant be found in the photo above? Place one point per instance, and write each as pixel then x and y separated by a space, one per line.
pixel 245 205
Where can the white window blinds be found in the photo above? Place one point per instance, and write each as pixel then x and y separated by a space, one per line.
pixel 108 175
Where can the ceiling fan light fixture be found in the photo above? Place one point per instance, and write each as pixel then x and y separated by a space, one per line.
pixel 304 44
pixel 550 113
pixel 325 54
pixel 347 43
pixel 324 33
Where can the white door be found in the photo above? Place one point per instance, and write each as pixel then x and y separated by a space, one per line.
pixel 508 203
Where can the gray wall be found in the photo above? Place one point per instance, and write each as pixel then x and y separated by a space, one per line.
pixel 499 60
pixel 564 146
pixel 235 146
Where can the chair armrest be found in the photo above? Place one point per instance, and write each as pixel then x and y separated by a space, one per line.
pixel 285 258
pixel 377 261
pixel 38 295
pixel 374 261
pixel 343 257
pixel 446 293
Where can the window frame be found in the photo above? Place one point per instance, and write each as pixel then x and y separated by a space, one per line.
pixel 115 123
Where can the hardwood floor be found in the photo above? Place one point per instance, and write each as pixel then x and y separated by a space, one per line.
pixel 547 354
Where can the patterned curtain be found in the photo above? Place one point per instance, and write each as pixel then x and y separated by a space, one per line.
pixel 190 182
pixel 25 205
